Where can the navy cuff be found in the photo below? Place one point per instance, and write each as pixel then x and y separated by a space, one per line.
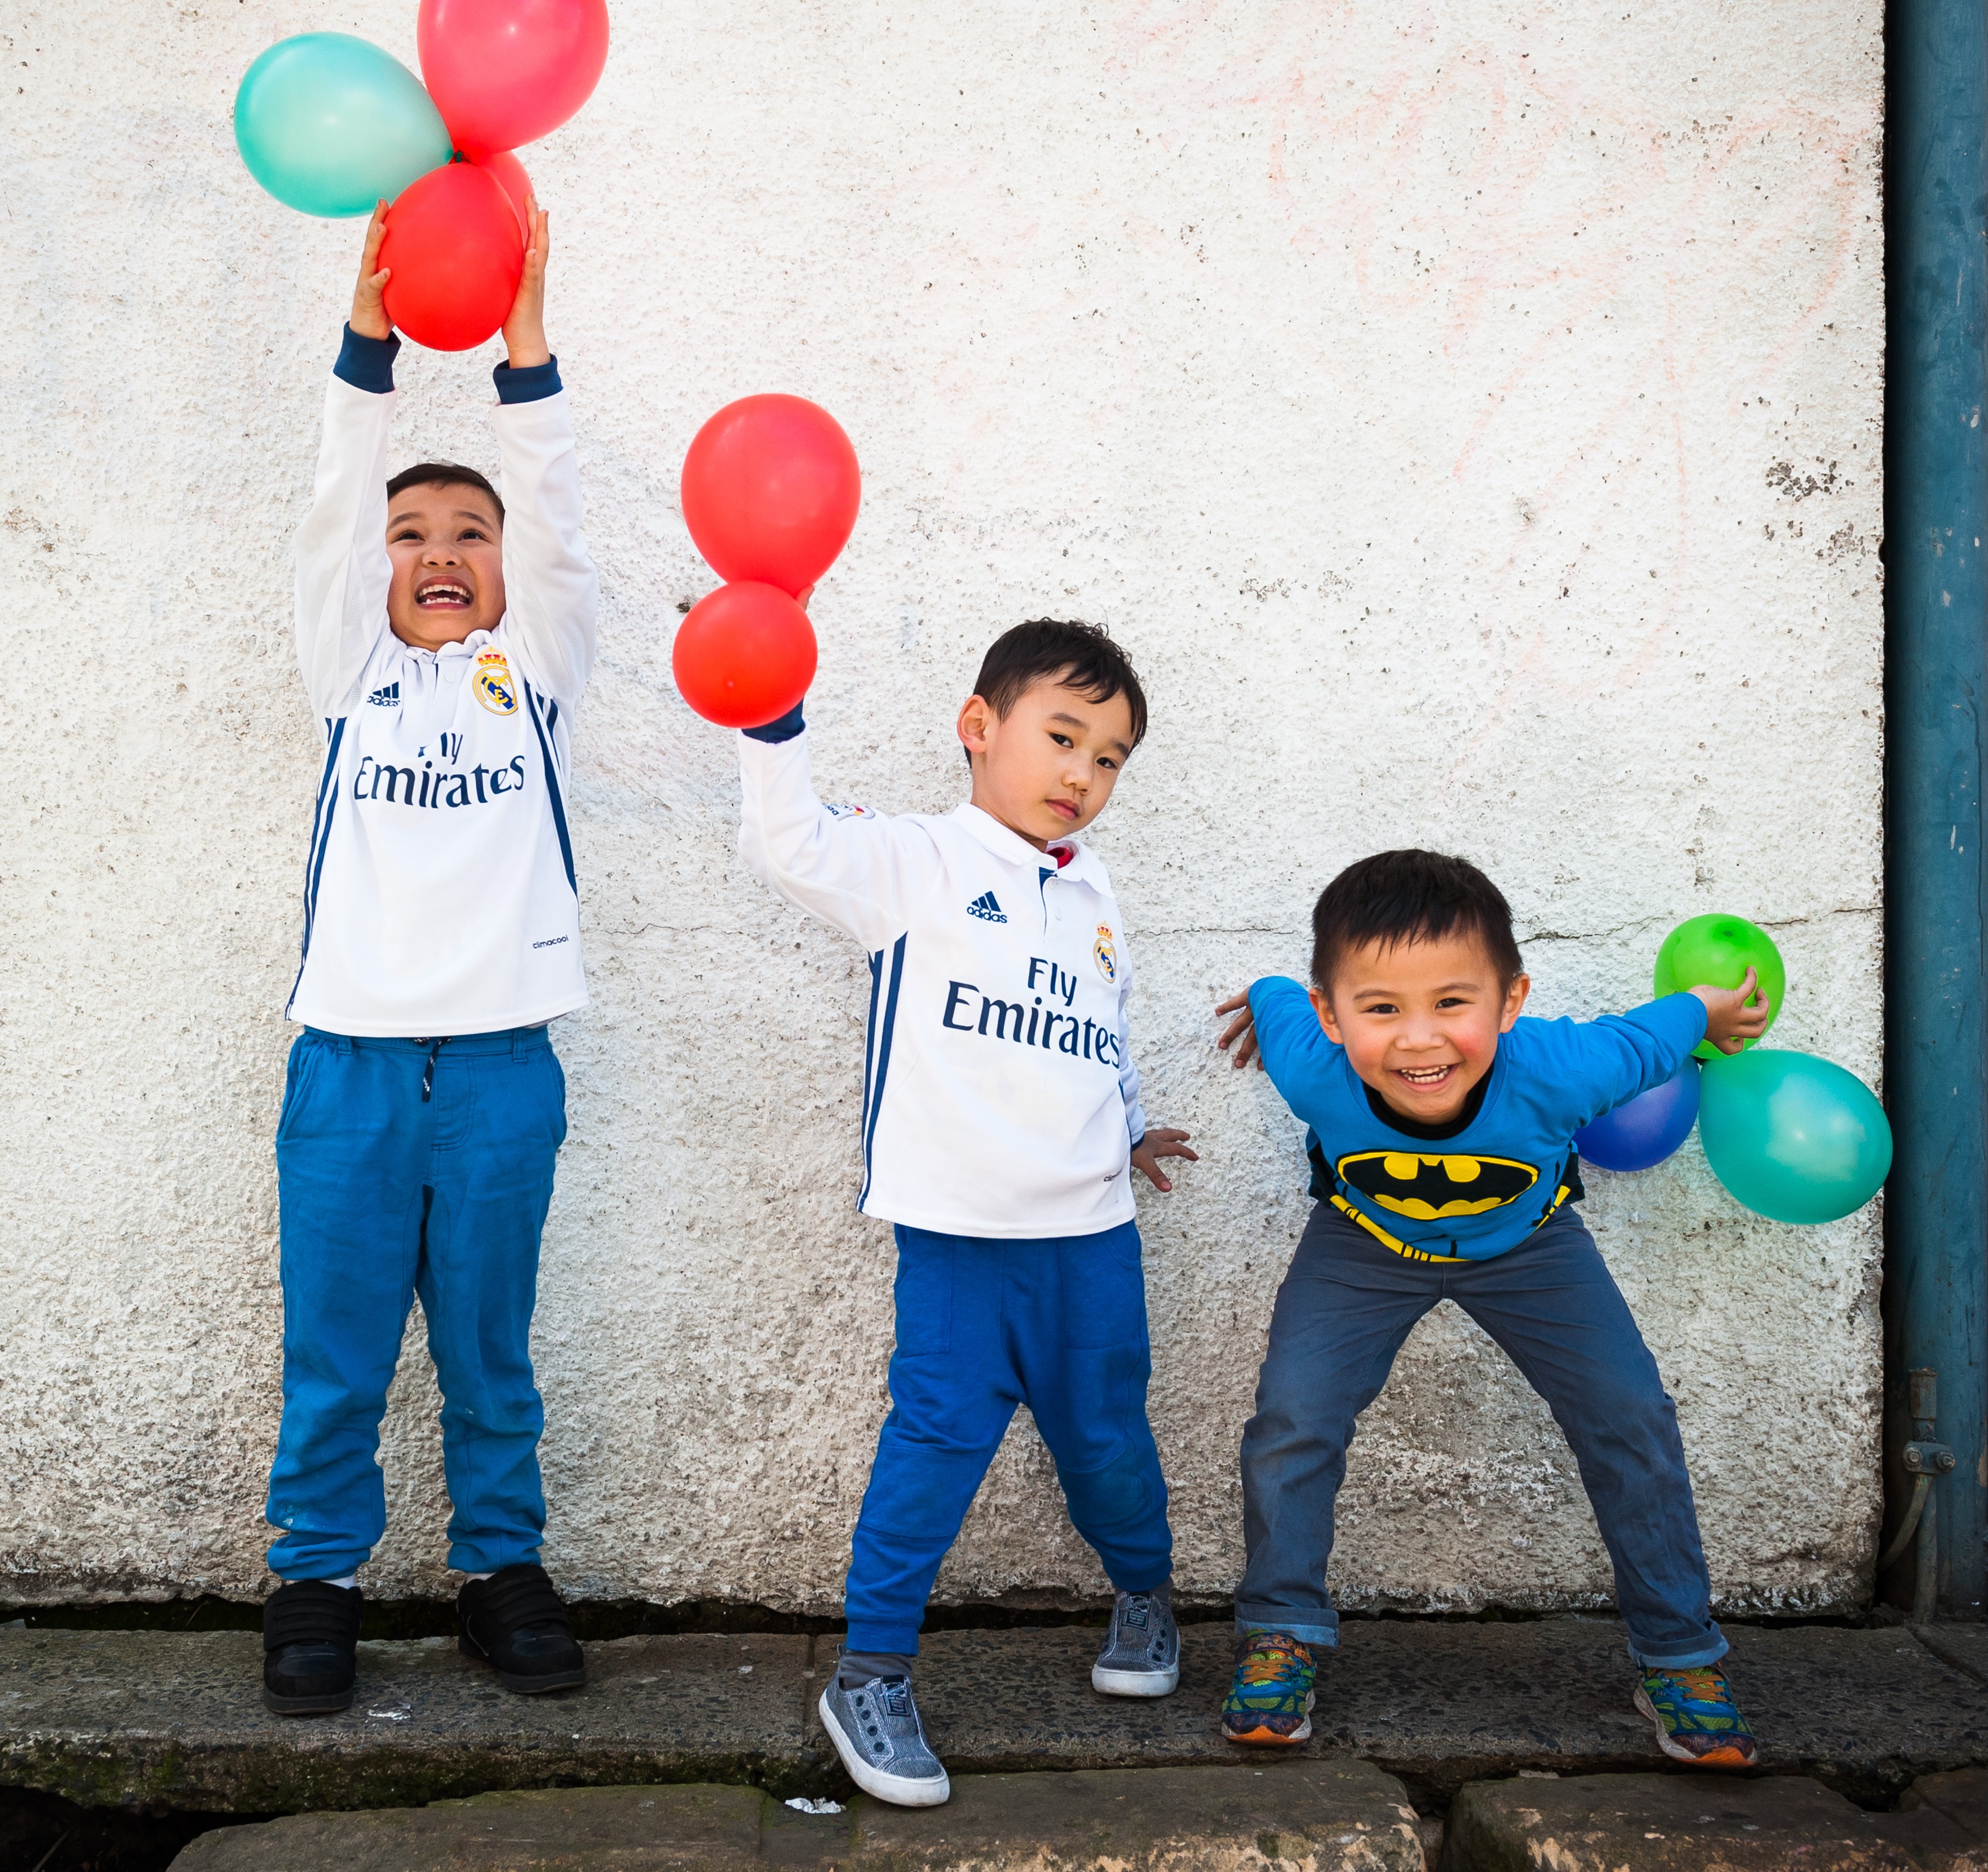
pixel 788 726
pixel 367 363
pixel 529 384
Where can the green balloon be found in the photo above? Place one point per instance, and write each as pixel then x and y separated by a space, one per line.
pixel 1795 1138
pixel 1716 951
pixel 330 124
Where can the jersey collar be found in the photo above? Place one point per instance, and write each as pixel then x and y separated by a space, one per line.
pixel 1016 850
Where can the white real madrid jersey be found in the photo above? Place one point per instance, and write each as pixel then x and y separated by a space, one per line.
pixel 999 1097
pixel 439 895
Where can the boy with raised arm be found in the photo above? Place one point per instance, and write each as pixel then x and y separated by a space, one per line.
pixel 1001 1124
pixel 445 635
pixel 1441 1131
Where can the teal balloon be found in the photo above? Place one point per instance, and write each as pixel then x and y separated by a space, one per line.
pixel 330 124
pixel 1795 1138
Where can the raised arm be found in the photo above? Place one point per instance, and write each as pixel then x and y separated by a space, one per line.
pixel 551 592
pixel 1293 1045
pixel 847 865
pixel 1604 1063
pixel 342 571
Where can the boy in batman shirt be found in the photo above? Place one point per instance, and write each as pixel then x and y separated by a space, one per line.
pixel 1441 1129
pixel 1001 1124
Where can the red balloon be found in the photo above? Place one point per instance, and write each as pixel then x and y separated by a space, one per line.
pixel 517 185
pixel 745 655
pixel 770 490
pixel 504 73
pixel 453 242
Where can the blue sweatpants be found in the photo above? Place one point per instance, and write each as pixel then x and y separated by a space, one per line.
pixel 385 1193
pixel 1342 1314
pixel 1058 1324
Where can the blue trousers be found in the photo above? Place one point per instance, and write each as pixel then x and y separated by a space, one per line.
pixel 1342 1314
pixel 1058 1324
pixel 385 1193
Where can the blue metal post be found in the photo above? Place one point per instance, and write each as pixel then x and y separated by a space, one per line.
pixel 1936 623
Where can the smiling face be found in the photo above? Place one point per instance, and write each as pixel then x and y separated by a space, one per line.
pixel 1420 1020
pixel 446 544
pixel 1046 768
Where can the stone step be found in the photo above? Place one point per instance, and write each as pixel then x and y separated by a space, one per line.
pixel 174 1720
pixel 1687 1821
pixel 1334 1816
pixel 1339 1814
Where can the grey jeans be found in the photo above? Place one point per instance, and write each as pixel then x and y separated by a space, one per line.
pixel 1344 1310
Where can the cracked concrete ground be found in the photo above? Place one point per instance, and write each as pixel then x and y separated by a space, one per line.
pixel 174 1721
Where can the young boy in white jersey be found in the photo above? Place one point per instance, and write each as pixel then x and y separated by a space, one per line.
pixel 444 636
pixel 1001 1123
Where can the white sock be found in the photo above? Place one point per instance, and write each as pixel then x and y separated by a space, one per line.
pixel 477 1576
pixel 349 1582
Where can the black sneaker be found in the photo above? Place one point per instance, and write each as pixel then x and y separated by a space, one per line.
pixel 310 1637
pixel 515 1621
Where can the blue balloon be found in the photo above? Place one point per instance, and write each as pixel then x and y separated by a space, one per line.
pixel 1641 1134
pixel 330 124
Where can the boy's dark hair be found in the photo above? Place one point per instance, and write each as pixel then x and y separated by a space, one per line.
pixel 1398 897
pixel 444 475
pixel 1082 656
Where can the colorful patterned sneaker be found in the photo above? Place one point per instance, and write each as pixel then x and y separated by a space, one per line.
pixel 1141 1653
pixel 1271 1698
pixel 1696 1719
pixel 876 1730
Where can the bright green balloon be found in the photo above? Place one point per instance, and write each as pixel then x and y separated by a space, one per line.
pixel 331 124
pixel 1716 951
pixel 1795 1138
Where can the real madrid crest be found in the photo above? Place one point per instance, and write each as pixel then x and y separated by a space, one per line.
pixel 1105 956
pixel 494 689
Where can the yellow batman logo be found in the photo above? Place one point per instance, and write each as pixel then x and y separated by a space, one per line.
pixel 1431 1189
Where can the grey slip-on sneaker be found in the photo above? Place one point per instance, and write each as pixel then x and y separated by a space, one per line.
pixel 1141 1653
pixel 876 1730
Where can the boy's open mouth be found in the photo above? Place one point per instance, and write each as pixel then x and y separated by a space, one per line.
pixel 443 595
pixel 1425 1078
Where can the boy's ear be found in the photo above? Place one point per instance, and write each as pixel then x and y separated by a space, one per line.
pixel 1321 1005
pixel 975 717
pixel 1515 1000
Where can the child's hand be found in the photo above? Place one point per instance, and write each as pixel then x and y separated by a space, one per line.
pixel 369 311
pixel 524 328
pixel 1729 1020
pixel 1159 1143
pixel 1243 1027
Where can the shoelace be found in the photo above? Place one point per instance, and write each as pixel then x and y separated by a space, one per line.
pixel 1700 1686
pixel 1269 1661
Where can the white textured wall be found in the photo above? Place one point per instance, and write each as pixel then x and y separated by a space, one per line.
pixel 1467 414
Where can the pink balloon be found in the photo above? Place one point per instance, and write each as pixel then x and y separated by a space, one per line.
pixel 504 73
pixel 512 178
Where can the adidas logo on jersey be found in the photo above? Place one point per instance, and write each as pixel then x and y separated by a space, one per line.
pixel 388 698
pixel 984 907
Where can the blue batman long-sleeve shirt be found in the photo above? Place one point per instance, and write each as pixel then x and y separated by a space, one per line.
pixel 1481 1183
